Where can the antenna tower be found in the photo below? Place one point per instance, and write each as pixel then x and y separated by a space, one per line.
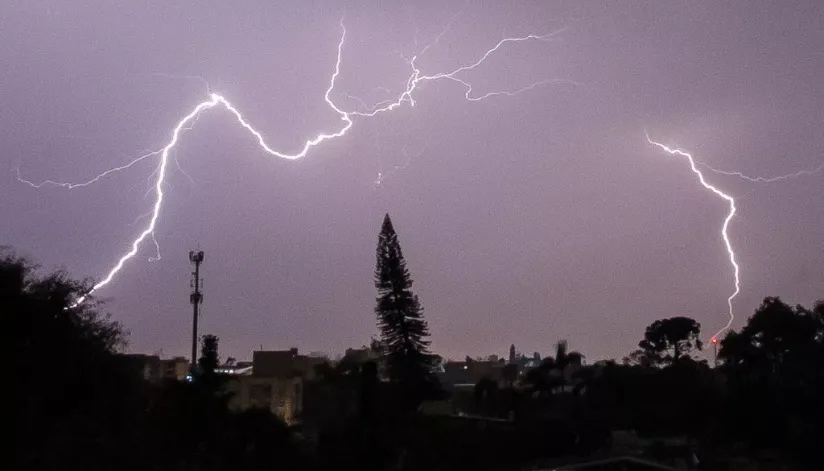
pixel 196 298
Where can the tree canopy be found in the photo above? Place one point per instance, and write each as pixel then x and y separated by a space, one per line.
pixel 666 341
pixel 69 388
pixel 209 358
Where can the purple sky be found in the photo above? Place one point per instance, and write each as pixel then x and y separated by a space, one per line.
pixel 524 219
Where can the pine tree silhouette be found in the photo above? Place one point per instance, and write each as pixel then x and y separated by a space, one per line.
pixel 404 332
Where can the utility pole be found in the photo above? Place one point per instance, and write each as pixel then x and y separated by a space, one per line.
pixel 195 298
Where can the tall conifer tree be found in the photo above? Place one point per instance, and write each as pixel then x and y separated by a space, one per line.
pixel 404 333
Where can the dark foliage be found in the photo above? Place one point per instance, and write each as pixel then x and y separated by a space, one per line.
pixel 404 332
pixel 55 353
pixel 666 341
pixel 209 358
pixel 78 404
pixel 776 381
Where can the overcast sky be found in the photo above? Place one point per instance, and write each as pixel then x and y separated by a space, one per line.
pixel 524 219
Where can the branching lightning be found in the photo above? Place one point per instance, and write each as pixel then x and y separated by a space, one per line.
pixel 778 178
pixel 397 168
pixel 415 78
pixel 724 234
pixel 216 100
pixel 71 186
pixel 694 164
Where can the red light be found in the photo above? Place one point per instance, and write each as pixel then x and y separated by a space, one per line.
pixel 714 340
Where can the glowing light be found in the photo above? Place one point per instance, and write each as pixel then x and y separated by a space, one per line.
pixel 216 100
pixel 724 234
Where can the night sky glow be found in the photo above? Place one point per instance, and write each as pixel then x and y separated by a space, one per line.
pixel 530 206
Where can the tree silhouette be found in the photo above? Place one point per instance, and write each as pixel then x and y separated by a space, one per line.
pixel 209 359
pixel 564 359
pixel 778 340
pixel 773 366
pixel 404 332
pixel 551 372
pixel 74 397
pixel 666 341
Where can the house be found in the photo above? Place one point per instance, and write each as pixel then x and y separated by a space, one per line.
pixel 281 396
pixel 154 369
pixel 458 374
pixel 284 364
pixel 361 355
pixel 274 380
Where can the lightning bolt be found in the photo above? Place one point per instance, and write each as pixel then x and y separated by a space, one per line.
pixel 724 234
pixel 71 186
pixel 778 178
pixel 216 100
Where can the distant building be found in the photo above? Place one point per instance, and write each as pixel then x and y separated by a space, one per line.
pixel 525 363
pixel 282 396
pixel 243 368
pixel 284 364
pixel 274 380
pixel 361 355
pixel 153 368
pixel 469 372
pixel 175 368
